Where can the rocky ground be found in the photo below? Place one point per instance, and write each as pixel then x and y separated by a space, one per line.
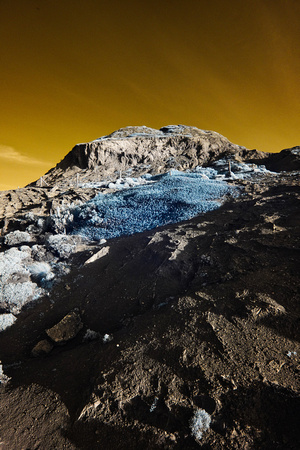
pixel 182 337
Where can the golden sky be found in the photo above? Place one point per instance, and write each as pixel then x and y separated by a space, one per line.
pixel 74 70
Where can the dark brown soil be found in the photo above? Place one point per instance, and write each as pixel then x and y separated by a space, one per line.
pixel 203 314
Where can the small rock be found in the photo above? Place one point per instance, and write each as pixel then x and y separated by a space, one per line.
pixel 40 223
pixel 42 348
pixel 104 251
pixel 63 245
pixel 17 237
pixel 66 329
pixel 39 253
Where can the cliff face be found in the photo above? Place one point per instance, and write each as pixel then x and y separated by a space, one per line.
pixel 142 149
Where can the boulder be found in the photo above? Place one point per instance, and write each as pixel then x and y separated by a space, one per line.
pixel 63 245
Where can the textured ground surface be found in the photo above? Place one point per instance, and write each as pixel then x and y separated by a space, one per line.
pixel 182 337
pixel 203 314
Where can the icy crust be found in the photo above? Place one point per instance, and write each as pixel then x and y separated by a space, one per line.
pixel 170 198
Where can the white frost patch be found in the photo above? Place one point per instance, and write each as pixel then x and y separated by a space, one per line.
pixel 107 338
pixel 41 270
pixel 125 183
pixel 3 378
pixel 90 335
pixel 6 320
pixel 12 261
pixel 224 169
pixel 290 354
pixel 16 289
pixel 16 295
pixel 26 249
pixel 199 423
pixel 120 183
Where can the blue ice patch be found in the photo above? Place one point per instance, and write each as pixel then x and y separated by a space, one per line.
pixel 170 198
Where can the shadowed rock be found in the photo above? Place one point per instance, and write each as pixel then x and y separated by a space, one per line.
pixel 42 348
pixel 66 329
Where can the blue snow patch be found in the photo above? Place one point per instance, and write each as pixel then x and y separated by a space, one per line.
pixel 170 198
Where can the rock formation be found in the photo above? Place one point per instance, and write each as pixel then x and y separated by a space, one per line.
pixel 143 149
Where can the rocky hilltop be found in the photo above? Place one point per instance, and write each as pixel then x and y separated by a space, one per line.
pixel 180 336
pixel 142 149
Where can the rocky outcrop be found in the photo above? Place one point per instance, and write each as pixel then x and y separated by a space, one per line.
pixel 287 160
pixel 143 149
